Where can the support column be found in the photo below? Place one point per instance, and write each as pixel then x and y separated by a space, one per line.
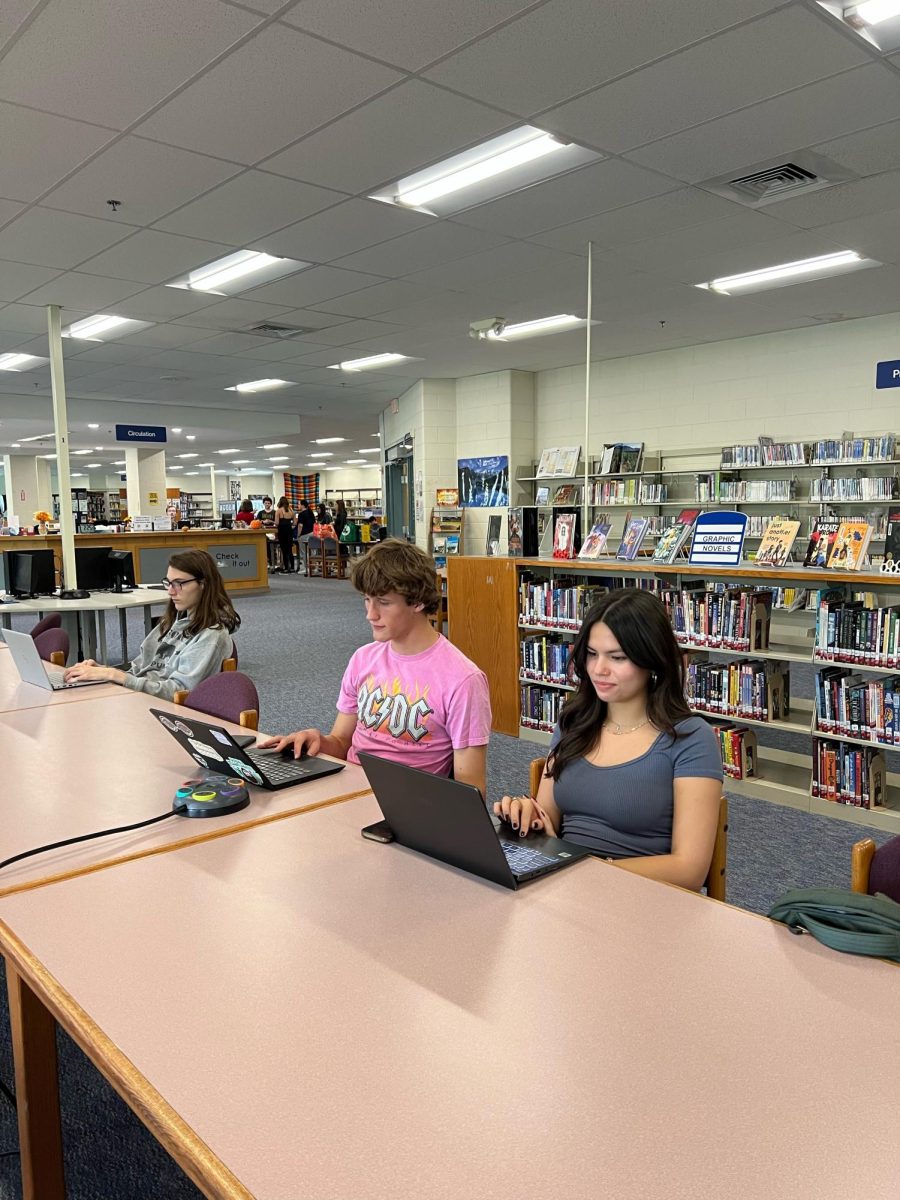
pixel 61 425
pixel 145 482
pixel 24 495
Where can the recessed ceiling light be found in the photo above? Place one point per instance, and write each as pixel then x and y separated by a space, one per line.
pixel 76 475
pixel 206 464
pixel 876 21
pixel 237 272
pixel 20 362
pixel 259 385
pixel 46 456
pixel 176 468
pixel 187 456
pixel 873 12
pixel 190 437
pixel 241 460
pixel 94 465
pixel 496 167
pixel 369 450
pixel 80 452
pixel 176 429
pixel 543 325
pixel 15 446
pixel 365 364
pixel 280 458
pixel 38 437
pixel 98 447
pixel 232 450
pixel 120 463
pixel 327 441
pixel 322 454
pixel 193 472
pixel 94 426
pixel 788 273
pixel 273 446
pixel 94 329
pixel 352 462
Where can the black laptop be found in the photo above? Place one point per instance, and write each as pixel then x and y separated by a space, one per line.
pixel 448 820
pixel 214 748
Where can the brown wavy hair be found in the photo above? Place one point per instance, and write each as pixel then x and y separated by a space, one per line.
pixel 639 623
pixel 397 566
pixel 213 609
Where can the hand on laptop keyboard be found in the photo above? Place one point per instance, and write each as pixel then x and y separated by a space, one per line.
pixel 524 815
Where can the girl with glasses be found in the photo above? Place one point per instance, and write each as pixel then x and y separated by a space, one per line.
pixel 191 640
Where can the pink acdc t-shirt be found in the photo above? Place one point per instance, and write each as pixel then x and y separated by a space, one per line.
pixel 415 708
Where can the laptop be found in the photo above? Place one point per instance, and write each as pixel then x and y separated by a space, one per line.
pixel 448 820
pixel 214 748
pixel 34 670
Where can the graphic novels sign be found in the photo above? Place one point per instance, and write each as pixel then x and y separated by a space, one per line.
pixel 718 539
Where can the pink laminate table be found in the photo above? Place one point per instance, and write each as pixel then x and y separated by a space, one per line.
pixel 16 695
pixel 302 1013
pixel 69 769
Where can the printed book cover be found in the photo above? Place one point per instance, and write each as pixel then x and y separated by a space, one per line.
pixel 566 493
pixel 891 564
pixel 850 545
pixel 687 516
pixel 542 496
pixel 631 541
pixel 567 461
pixel 547 464
pixel 492 545
pixel 595 542
pixel 775 547
pixel 670 541
pixel 821 541
pixel 514 542
pixel 564 536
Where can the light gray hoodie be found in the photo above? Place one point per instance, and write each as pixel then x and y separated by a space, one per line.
pixel 174 661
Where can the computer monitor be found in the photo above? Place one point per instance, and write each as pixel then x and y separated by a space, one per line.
pixel 29 572
pixel 121 570
pixel 92 567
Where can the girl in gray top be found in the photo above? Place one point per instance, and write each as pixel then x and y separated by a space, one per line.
pixel 631 773
pixel 191 639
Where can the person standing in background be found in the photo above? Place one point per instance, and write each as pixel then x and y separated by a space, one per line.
pixel 306 519
pixel 340 518
pixel 285 519
pixel 245 513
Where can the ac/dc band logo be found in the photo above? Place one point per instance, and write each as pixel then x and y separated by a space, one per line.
pixel 392 711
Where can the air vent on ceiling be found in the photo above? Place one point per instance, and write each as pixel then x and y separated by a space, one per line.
pixel 768 182
pixel 270 329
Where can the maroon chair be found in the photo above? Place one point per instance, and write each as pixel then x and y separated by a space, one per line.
pixel 54 621
pixel 230 695
pixel 53 646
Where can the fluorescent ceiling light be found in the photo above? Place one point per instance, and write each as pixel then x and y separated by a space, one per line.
pixel 536 145
pixel 237 272
pixel 787 273
pixel 374 360
pixel 322 454
pixel 94 426
pixel 873 12
pixel 76 475
pixel 81 452
pixel 190 437
pixel 352 462
pixel 15 446
pixel 259 385
pixel 20 362
pixel 176 468
pixel 537 328
pixel 236 461
pixel 176 429
pixel 280 458
pixel 193 472
pixel 187 456
pixel 120 463
pixel 47 456
pixel 231 450
pixel 370 450
pixel 326 441
pixel 206 464
pixel 95 465
pixel 38 437
pixel 273 446
pixel 91 329
pixel 98 447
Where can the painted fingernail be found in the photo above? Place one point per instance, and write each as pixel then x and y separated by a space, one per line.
pixel 514 825
pixel 535 824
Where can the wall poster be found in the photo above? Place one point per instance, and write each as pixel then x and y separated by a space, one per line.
pixel 484 482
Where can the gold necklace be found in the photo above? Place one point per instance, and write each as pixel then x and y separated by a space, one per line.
pixel 615 728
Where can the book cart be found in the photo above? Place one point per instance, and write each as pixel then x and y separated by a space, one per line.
pixel 829 674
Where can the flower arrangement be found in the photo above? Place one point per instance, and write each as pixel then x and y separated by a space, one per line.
pixel 256 524
pixel 42 517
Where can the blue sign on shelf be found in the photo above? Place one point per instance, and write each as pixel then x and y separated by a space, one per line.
pixel 140 435
pixel 887 374
pixel 718 539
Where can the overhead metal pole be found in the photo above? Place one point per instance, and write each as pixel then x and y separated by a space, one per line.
pixel 585 528
pixel 61 426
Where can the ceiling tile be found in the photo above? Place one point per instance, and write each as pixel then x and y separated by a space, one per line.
pixel 355 331
pixel 227 343
pixel 164 303
pixel 741 67
pixel 164 337
pixel 311 287
pixel 567 46
pixel 745 228
pixel 635 222
pixel 278 86
pixel 715 262
pixel 777 127
pixel 23 318
pixel 868 151
pixel 410 33
pixel 153 257
pixel 373 300
pixel 12 14
pixel 242 210
pixel 341 230
pixel 17 279
pixel 108 63
pixel 597 188
pixel 8 210
pixel 511 259
pixel 396 134
pixel 233 314
pixel 148 178
pixel 877 236
pixel 55 239
pixel 843 202
pixel 83 293
pixel 39 148
pixel 439 242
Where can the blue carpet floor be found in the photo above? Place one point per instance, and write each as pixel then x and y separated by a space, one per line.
pixel 294 643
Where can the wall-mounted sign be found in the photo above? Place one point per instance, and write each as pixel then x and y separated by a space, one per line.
pixel 887 374
pixel 153 497
pixel 718 539
pixel 139 435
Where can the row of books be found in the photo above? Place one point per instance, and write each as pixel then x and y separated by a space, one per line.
pixel 765 452
pixel 830 451
pixel 734 619
pixel 544 659
pixel 855 706
pixel 748 688
pixel 539 708
pixel 851 631
pixel 557 603
pixel 878 487
pixel 710 487
pixel 616 492
pixel 738 748
pixel 848 774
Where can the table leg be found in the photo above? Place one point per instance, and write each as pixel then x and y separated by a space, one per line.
pixel 37 1092
pixel 148 619
pixel 72 626
pixel 89 634
pixel 103 656
pixel 123 633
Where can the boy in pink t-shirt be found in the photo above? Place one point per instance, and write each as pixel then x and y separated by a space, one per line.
pixel 409 695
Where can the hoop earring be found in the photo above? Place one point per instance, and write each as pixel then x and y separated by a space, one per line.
pixel 653 680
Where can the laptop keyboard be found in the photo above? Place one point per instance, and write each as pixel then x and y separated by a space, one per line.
pixel 522 859
pixel 277 769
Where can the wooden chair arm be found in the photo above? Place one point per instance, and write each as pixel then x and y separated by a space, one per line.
pixel 229 664
pixel 57 658
pixel 249 719
pixel 180 697
pixel 861 857
pixel 535 774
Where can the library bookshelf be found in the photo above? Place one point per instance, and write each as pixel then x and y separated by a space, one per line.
pixel 488 624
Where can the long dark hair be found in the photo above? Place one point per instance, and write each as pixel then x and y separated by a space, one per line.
pixel 639 623
pixel 213 609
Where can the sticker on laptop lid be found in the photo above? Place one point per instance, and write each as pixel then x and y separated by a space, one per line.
pixel 221 737
pixel 206 751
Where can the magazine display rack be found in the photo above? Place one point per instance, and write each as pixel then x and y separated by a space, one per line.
pixel 516 617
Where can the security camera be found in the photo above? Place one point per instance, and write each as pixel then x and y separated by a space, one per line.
pixel 479 330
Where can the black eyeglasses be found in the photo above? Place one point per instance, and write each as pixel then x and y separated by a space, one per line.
pixel 175 585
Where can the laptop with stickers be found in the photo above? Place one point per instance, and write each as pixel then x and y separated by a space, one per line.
pixel 213 747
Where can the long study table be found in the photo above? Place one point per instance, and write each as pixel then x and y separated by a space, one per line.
pixel 16 695
pixel 302 1013
pixel 85 620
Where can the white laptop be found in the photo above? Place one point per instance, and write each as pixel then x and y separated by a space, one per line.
pixel 32 667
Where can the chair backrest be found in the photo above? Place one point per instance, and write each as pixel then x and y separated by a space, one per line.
pixel 53 621
pixel 876 869
pixel 230 695
pixel 715 877
pixel 330 547
pixel 52 641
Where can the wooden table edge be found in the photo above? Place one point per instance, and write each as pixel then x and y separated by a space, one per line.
pixel 75 872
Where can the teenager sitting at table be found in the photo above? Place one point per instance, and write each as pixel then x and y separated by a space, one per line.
pixel 631 773
pixel 191 640
pixel 409 695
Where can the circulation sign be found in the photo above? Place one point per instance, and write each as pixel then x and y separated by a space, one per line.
pixel 139 435
pixel 718 539
pixel 887 374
